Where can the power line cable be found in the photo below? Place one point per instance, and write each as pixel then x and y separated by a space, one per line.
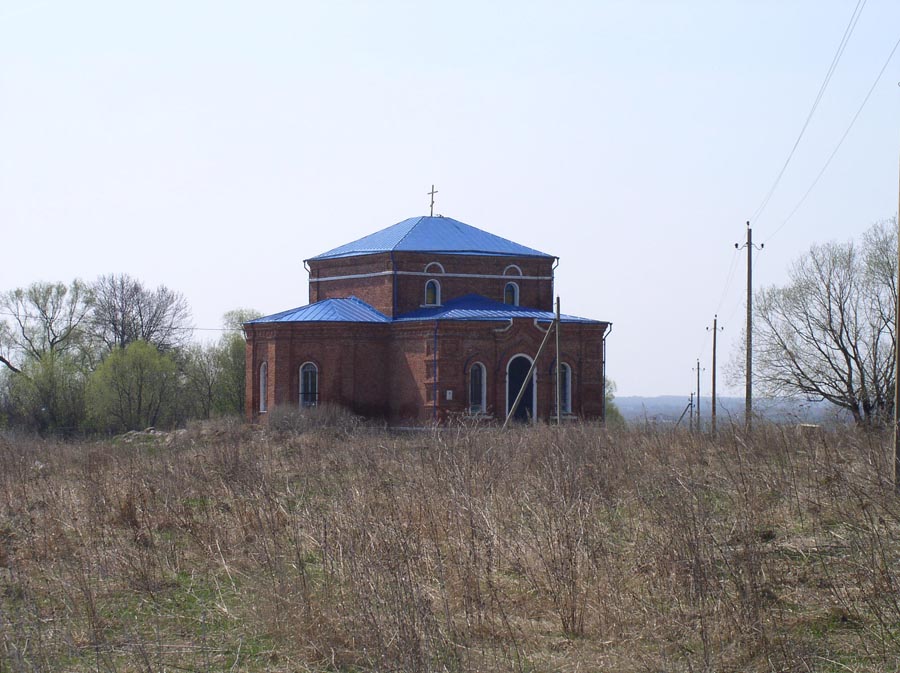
pixel 840 142
pixel 728 280
pixel 705 342
pixel 848 31
pixel 842 45
pixel 741 304
pixel 192 329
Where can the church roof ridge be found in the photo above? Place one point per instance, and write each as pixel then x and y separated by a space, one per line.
pixel 417 221
pixel 436 234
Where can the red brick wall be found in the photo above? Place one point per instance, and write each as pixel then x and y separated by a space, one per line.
pixel 377 290
pixel 402 372
pixel 535 283
pixel 412 373
pixel 462 344
pixel 388 371
pixel 351 359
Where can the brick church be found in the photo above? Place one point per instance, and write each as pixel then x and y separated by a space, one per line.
pixel 424 321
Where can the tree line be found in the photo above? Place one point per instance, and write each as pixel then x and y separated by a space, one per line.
pixel 114 355
pixel 110 356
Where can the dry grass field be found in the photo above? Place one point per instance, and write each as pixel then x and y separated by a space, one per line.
pixel 229 548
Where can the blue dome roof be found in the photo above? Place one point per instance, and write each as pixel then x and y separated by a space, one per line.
pixel 433 234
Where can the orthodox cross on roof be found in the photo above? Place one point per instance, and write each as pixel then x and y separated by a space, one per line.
pixel 432 193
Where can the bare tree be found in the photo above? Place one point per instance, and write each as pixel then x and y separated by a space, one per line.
pixel 6 340
pixel 828 334
pixel 124 311
pixel 44 345
pixel 46 319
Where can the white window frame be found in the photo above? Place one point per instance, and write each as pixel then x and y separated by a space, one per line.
pixel 315 401
pixel 437 292
pixel 515 287
pixel 513 270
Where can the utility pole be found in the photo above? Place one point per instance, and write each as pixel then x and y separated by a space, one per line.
pixel 699 369
pixel 686 408
pixel 715 331
pixel 897 366
pixel 528 376
pixel 748 394
pixel 691 417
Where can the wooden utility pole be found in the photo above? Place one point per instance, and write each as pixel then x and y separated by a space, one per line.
pixel 686 408
pixel 699 428
pixel 748 393
pixel 897 365
pixel 691 417
pixel 528 378
pixel 715 330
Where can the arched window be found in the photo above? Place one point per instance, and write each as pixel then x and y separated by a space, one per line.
pixel 565 389
pixel 309 385
pixel 432 293
pixel 511 294
pixel 517 370
pixel 477 389
pixel 263 387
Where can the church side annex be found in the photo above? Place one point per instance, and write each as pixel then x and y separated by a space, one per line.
pixel 423 321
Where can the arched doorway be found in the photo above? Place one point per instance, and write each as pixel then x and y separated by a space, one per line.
pixel 516 371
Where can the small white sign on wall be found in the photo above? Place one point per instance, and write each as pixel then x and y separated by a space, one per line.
pixel 449 395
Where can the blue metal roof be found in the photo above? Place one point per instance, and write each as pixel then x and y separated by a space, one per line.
pixel 471 307
pixel 474 307
pixel 433 234
pixel 350 309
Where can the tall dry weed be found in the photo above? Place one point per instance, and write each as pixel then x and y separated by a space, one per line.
pixel 323 547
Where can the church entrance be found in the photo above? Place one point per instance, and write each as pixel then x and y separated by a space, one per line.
pixel 516 371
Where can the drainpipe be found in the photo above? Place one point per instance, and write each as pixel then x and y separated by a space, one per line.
pixel 393 285
pixel 310 285
pixel 499 330
pixel 434 414
pixel 553 277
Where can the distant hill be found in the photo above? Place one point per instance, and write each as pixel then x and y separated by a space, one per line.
pixel 667 409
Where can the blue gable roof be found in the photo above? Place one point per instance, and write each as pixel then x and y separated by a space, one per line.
pixel 350 309
pixel 433 234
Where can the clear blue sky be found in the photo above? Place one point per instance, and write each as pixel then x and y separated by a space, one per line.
pixel 212 146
